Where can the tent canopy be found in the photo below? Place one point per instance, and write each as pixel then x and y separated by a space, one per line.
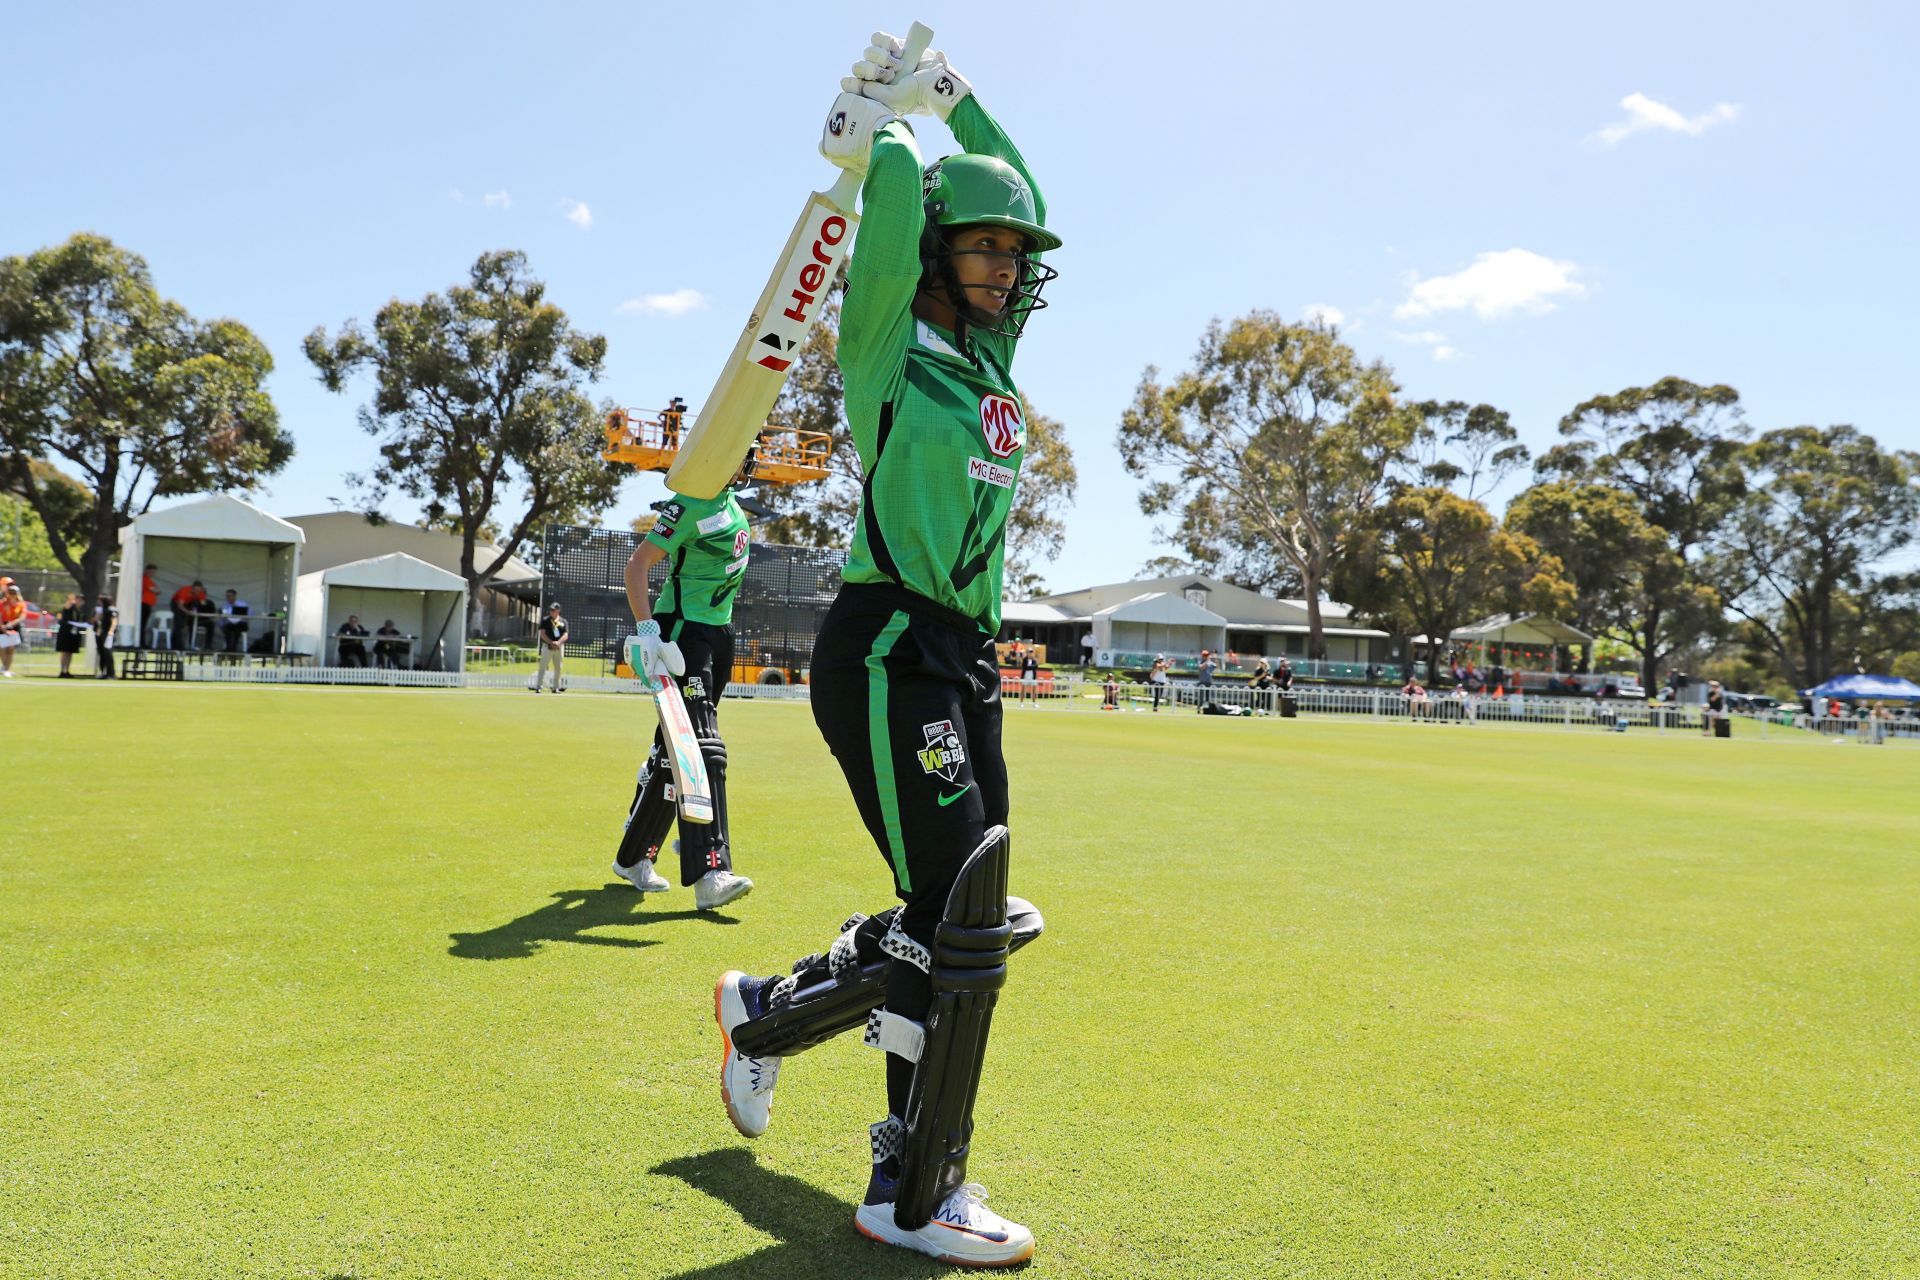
pixel 425 603
pixel 218 540
pixel 1859 688
pixel 1521 629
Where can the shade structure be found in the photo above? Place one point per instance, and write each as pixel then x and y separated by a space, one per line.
pixel 1864 688
pixel 220 541
pixel 426 605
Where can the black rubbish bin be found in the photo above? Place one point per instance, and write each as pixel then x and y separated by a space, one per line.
pixel 1722 727
pixel 1288 707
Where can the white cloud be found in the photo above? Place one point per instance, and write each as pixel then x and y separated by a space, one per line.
pixel 578 214
pixel 497 200
pixel 1430 338
pixel 1321 313
pixel 456 195
pixel 1497 284
pixel 1643 114
pixel 677 303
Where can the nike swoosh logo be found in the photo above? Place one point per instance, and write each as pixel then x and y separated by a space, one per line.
pixel 947 800
pixel 997 1237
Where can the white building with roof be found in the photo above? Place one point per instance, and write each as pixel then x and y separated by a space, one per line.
pixel 507 607
pixel 1131 622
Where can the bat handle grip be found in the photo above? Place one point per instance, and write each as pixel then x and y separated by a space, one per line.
pixel 919 36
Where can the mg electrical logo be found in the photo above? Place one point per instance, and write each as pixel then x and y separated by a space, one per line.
pixel 1001 423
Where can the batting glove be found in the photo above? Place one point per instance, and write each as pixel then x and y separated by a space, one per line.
pixel 931 89
pixel 649 655
pixel 847 137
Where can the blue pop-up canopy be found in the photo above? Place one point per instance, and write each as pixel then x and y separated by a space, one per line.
pixel 1868 689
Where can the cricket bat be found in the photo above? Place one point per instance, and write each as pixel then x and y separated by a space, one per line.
pixel 736 409
pixel 692 792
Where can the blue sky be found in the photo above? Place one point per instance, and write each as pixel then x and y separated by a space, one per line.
pixel 1514 203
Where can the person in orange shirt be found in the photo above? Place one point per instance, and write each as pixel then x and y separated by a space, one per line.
pixel 149 597
pixel 13 613
pixel 186 604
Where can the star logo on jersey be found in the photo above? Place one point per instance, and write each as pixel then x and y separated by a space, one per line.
pixel 1004 426
pixel 943 755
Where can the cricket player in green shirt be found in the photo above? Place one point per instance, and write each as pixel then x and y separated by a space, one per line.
pixel 905 687
pixel 687 634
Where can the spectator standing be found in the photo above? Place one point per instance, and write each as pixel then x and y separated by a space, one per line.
pixel 1208 665
pixel 149 597
pixel 1030 678
pixel 70 637
pixel 13 613
pixel 553 650
pixel 1157 678
pixel 353 648
pixel 1086 648
pixel 106 619
pixel 1110 693
pixel 387 647
pixel 1716 708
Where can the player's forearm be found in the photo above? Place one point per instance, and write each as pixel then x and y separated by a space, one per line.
pixel 891 216
pixel 644 557
pixel 981 134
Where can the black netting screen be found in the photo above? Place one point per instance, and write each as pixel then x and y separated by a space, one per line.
pixel 786 593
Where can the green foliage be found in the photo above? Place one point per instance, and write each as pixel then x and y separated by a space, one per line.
pixel 1429 560
pixel 1036 527
pixel 124 390
pixel 480 408
pixel 24 540
pixel 1267 450
pixel 1674 447
pixel 1796 558
pixel 1468 448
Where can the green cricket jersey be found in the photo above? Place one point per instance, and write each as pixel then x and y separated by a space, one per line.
pixel 706 543
pixel 940 431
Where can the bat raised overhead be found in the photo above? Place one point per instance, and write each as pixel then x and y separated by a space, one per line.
pixel 750 381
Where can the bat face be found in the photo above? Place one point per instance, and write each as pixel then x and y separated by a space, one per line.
pixel 819 245
pixel 692 791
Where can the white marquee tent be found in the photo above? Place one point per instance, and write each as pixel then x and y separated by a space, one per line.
pixel 425 603
pixel 219 541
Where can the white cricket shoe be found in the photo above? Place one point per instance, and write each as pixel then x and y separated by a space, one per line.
pixel 642 876
pixel 746 1084
pixel 963 1232
pixel 717 888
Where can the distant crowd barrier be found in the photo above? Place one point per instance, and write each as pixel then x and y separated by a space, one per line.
pixel 1074 693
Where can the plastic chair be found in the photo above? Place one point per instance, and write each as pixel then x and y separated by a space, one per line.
pixel 160 631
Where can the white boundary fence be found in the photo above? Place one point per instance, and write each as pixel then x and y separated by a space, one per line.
pixel 1077 695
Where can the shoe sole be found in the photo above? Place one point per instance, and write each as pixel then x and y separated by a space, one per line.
pixel 726 1048
pixel 741 890
pixel 917 1245
pixel 643 888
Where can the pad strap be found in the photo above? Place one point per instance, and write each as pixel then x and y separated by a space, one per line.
pixel 887 1137
pixel 901 1037
pixel 898 945
pixel 843 957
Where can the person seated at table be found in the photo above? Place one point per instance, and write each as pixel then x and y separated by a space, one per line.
pixel 185 606
pixel 390 652
pixel 233 632
pixel 353 649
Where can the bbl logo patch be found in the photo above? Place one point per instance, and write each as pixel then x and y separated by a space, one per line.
pixel 944 754
pixel 693 688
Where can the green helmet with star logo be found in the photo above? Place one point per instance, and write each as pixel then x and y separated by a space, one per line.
pixel 966 190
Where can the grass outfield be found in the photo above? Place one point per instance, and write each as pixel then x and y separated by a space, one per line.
pixel 315 983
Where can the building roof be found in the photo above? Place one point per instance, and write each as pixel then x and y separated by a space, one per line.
pixel 218 518
pixel 1523 628
pixel 1236 606
pixel 395 571
pixel 1163 608
pixel 342 537
pixel 1032 613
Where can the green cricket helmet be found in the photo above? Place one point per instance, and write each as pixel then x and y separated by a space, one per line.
pixel 972 190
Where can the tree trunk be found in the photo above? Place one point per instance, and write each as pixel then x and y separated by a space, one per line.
pixel 1316 639
pixel 1650 656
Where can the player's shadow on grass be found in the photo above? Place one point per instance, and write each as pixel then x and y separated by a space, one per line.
pixel 815 1230
pixel 567 919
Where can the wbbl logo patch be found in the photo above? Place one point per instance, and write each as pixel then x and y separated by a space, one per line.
pixel 944 754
